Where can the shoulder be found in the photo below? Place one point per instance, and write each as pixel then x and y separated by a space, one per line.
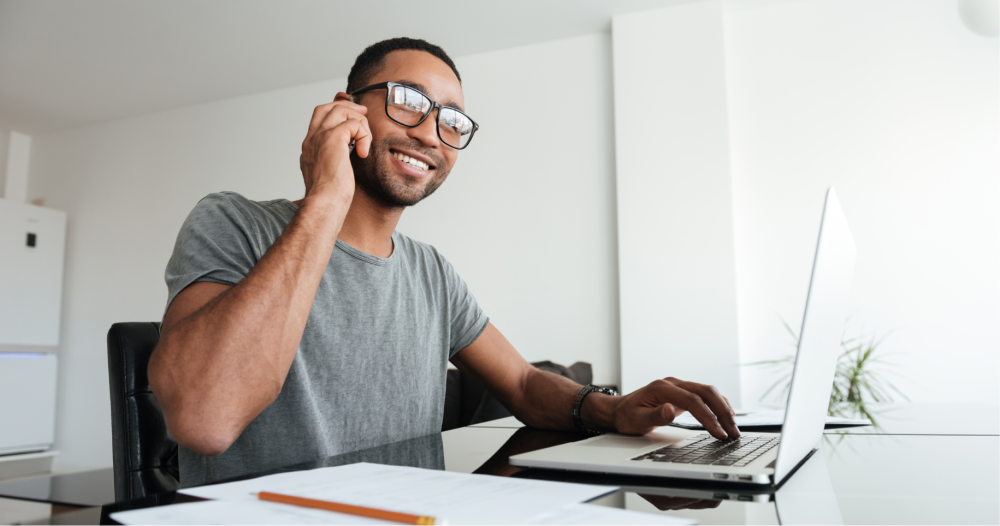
pixel 420 252
pixel 233 202
pixel 216 210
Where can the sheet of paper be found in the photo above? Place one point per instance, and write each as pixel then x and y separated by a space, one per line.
pixel 594 514
pixel 458 497
pixel 763 418
pixel 236 512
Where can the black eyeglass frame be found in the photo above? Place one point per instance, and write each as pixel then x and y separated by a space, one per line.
pixel 434 104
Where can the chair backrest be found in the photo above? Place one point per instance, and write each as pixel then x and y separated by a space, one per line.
pixel 145 457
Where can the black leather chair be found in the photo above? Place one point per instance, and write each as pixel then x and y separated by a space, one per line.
pixel 145 457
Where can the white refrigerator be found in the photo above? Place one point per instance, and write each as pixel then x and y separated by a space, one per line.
pixel 32 253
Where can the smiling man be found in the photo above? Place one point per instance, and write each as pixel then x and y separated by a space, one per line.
pixel 299 330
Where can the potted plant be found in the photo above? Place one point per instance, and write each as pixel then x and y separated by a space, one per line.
pixel 858 382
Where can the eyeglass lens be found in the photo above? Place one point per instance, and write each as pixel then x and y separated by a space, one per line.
pixel 407 106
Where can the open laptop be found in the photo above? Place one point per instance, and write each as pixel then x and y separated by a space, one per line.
pixel 755 458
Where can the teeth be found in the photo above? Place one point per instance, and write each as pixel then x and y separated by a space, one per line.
pixel 410 161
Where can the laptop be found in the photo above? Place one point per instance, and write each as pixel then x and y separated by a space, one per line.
pixel 754 458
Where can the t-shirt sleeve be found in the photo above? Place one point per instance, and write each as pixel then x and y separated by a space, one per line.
pixel 467 320
pixel 215 244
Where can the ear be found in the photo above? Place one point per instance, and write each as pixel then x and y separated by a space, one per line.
pixel 343 96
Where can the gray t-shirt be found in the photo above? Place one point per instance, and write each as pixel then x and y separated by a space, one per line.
pixel 370 368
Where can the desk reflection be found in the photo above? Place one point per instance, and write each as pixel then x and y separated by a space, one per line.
pixel 806 498
pixel 421 452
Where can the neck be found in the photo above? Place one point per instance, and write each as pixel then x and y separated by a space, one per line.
pixel 369 225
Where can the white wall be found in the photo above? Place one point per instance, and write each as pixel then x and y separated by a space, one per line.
pixel 678 276
pixel 894 103
pixel 527 216
pixel 4 139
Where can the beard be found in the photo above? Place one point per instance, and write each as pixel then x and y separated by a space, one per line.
pixel 373 174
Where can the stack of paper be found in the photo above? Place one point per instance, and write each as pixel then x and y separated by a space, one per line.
pixel 456 497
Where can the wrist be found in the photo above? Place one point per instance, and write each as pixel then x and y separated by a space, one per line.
pixel 597 411
pixel 325 203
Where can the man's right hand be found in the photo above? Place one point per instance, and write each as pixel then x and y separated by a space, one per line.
pixel 326 160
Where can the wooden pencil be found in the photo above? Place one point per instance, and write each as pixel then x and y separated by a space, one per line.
pixel 361 511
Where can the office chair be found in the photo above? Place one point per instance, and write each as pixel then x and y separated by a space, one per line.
pixel 145 457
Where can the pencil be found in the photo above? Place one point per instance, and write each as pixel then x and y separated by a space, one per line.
pixel 361 511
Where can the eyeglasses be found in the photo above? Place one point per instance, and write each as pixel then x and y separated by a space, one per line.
pixel 409 107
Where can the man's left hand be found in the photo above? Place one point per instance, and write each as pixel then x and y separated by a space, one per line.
pixel 658 403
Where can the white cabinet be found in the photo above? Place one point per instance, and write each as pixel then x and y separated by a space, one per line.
pixel 32 247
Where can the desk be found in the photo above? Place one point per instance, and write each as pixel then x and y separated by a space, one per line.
pixel 896 419
pixel 874 478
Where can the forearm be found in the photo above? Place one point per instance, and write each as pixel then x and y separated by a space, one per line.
pixel 538 398
pixel 216 369
pixel 547 403
pixel 545 400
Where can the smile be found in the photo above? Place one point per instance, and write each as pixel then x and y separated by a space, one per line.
pixel 420 165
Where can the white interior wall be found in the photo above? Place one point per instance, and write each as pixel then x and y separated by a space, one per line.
pixel 15 185
pixel 527 216
pixel 675 223
pixel 4 139
pixel 895 104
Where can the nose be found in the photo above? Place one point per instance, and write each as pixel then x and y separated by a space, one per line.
pixel 426 132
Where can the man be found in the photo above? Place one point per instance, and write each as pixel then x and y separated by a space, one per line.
pixel 296 331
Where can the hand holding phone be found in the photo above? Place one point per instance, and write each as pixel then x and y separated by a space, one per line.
pixel 326 165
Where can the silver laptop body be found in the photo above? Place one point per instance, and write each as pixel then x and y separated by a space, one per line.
pixel 763 459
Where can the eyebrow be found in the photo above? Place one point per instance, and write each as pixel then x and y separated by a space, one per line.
pixel 423 89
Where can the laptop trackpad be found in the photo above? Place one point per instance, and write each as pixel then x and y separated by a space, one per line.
pixel 623 442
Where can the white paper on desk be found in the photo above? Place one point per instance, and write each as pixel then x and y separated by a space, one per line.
pixel 594 514
pixel 458 497
pixel 236 512
pixel 762 419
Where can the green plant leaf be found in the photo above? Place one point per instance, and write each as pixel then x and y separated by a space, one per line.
pixel 857 380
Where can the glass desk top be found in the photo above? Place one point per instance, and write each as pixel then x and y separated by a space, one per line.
pixel 853 478
pixel 894 419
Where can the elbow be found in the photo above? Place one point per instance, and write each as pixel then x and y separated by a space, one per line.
pixel 200 436
pixel 205 443
pixel 200 427
pixel 187 422
pixel 205 420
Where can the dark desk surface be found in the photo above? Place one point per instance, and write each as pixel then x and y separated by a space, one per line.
pixel 925 478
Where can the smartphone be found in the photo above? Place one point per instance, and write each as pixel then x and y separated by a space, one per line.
pixel 351 148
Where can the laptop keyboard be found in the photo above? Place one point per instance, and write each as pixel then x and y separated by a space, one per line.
pixel 706 450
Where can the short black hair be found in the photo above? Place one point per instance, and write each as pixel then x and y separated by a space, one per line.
pixel 369 62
